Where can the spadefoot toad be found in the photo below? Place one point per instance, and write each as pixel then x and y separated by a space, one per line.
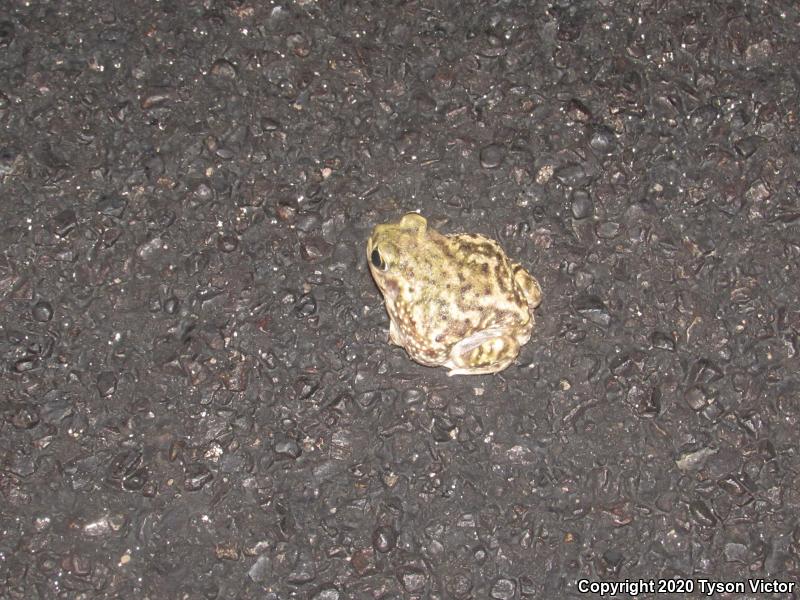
pixel 453 300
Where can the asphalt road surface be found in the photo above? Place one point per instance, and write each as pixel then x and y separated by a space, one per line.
pixel 198 398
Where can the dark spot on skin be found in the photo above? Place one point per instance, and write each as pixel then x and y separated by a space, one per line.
pixel 504 283
pixel 505 317
pixel 468 251
pixel 480 246
pixel 485 268
pixel 456 330
pixel 487 291
pixel 447 250
pixel 466 289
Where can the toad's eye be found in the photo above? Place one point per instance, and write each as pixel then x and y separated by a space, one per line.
pixel 377 260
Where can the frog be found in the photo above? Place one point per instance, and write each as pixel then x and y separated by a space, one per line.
pixel 453 300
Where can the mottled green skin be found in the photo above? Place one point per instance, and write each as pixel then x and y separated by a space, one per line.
pixel 453 300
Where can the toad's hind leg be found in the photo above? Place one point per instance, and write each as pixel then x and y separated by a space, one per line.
pixel 529 285
pixel 487 351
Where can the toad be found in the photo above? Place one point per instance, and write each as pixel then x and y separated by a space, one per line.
pixel 453 300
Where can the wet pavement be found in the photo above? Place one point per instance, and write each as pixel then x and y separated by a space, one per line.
pixel 198 397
